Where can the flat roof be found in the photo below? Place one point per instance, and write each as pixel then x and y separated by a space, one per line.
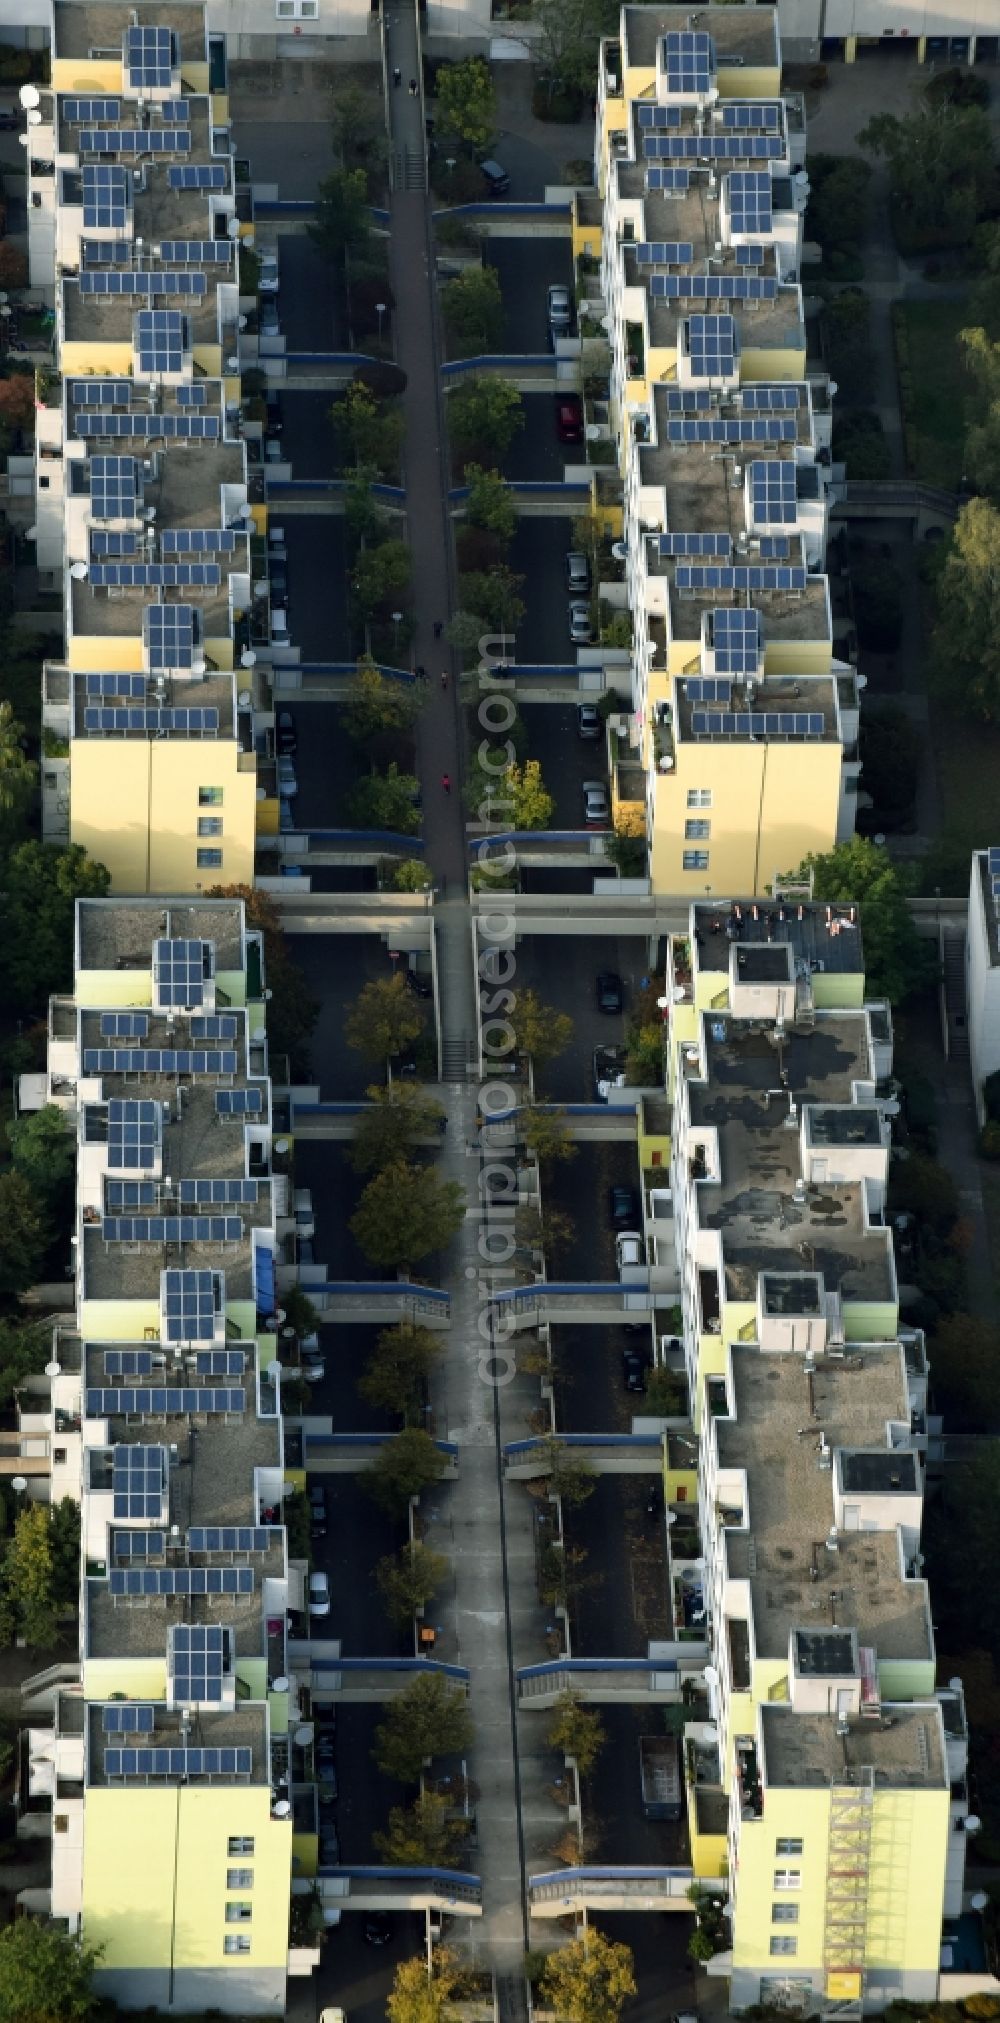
pixel 903 1750
pixel 80 30
pixel 241 1727
pixel 796 700
pixel 880 1473
pixel 826 937
pixel 210 691
pixel 119 933
pixel 845 1124
pixel 743 33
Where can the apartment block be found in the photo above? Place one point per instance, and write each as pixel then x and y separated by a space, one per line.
pixel 739 754
pixel 150 519
pixel 828 1783
pixel 162 1763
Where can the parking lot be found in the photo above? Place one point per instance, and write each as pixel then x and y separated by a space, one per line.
pixel 309 300
pixel 307 441
pixel 353 1975
pixel 563 970
pixel 536 451
pixel 527 268
pixel 336 1188
pixel 336 968
pixel 538 553
pixel 317 584
pixel 623 1599
pixel 565 758
pixel 326 764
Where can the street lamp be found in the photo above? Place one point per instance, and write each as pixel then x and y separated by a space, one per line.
pixel 397 620
pixel 380 309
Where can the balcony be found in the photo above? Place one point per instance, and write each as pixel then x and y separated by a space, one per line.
pixel 738 1636
pixel 751 1795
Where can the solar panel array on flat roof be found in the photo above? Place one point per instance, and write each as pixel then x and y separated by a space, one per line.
pixel 148 58
pixel 130 140
pixel 138 1481
pixel 144 1545
pixel 709 688
pixel 178 1762
pixel 120 543
pixel 709 147
pixel 156 575
pixel 773 498
pixel 198 176
pixel 736 641
pixel 161 1060
pixel 114 488
pixel 181 1580
pixel 749 197
pixel 191 396
pixel 89 111
pixel 162 1401
pixel 179 971
pixel 754 116
pixel 151 722
pixel 712 346
pixel 100 392
pixel 215 1026
pixel 220 1362
pixel 169 636
pixel 659 118
pixel 770 399
pixel 689 60
pixel 743 576
pixel 108 252
pixel 196 1662
pixel 198 541
pixel 752 429
pixel 160 340
pixel 713 287
pixel 197 253
pixel 133 1132
pixel 694 544
pixel 689 399
pixel 127 1718
pixel 172 427
pixel 229 1538
pixel 238 1102
pixel 174 112
pixel 774 547
pixel 128 1362
pixel 107 196
pixel 142 281
pixel 664 253
pixel 129 1195
pixel 671 182
pixel 172 1229
pixel 187 1305
pixel 217 1192
pixel 757 723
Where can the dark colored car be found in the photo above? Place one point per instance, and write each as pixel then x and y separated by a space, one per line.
pixel 623 1207
pixel 286 736
pixel 377 1929
pixel 495 177
pixel 317 1512
pixel 569 418
pixel 609 991
pixel 633 1370
pixel 588 720
pixel 329 1846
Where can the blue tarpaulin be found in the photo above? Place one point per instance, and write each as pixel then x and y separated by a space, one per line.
pixel 264 1280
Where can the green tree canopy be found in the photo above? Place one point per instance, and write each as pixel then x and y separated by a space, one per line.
pixel 397 1371
pixel 356 123
pixel 492 595
pixel 472 307
pixel 385 801
pixel 384 1019
pixel 541 1031
pixel 543 1131
pixel 837 216
pixel 425 1995
pixel 428 1718
pixel 403 1467
pixel 484 415
pixel 292 1008
pixel 43 1149
pixel 408 1579
pixel 422 1835
pixel 45 1976
pixel 411 874
pixel 380 579
pixel 24 1352
pixel 896 959
pixel 571 1474
pixel 577 1731
pixel 401 1113
pixel 589 1980
pixel 466 105
pixel 18 777
pixel 406 1212
pixel 967 635
pixel 368 431
pixel 376 704
pixel 982 442
pixel 29 1603
pixel 941 168
pixel 41 885
pixel 847 339
pixel 569 35
pixel 342 221
pixel 27 1234
pixel 517 797
pixel 490 503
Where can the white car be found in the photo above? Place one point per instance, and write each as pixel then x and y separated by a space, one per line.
pixel 581 625
pixel 288 785
pixel 560 308
pixel 268 283
pixel 319 1594
pixel 596 812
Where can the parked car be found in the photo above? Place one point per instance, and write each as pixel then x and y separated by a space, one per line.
pixel 288 785
pixel 569 418
pixel 629 1249
pixel 560 311
pixel 305 1220
pixel 268 282
pixel 633 1370
pixel 581 624
pixel 588 720
pixel 596 812
pixel 577 571
pixel 313 1364
pixel 377 1929
pixel 610 997
pixel 623 1206
pixel 608 1071
pixel 277 577
pixel 329 1845
pixel 285 734
pixel 495 177
pixel 326 1750
pixel 319 1594
pixel 268 322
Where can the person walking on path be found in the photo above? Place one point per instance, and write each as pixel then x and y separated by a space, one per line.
pixel 413 87
pixel 397 75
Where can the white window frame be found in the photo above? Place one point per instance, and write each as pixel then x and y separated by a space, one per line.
pixel 699 797
pixel 784 1845
pixel 694 860
pixel 783 1948
pixel 239 1878
pixel 236 1942
pixel 788 1878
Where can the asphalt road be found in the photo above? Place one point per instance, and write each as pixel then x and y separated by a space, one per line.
pixel 296 169
pixel 563 970
pixel 665 1978
pixel 536 451
pixel 566 759
pixel 354 1976
pixel 613 1798
pixel 358 1535
pixel 307 436
pixel 336 1189
pixel 307 301
pixel 336 968
pixel 317 585
pixel 347 1349
pixel 538 553
pixel 623 1598
pixel 527 269
pixel 326 763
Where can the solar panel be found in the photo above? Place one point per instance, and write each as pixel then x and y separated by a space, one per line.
pixel 743 576
pixel 108 252
pixel 689 60
pixel 653 118
pixel 138 1481
pixel 773 497
pixel 672 182
pixel 229 1538
pixel 749 197
pixel 133 1133
pixel 671 147
pixel 138 1544
pixel 220 1362
pixel 125 1025
pixel 736 641
pixel 105 721
pixel 169 637
pixel 162 1401
pixel 694 544
pixel 107 197
pixel 100 392
pixel 191 396
pixel 114 488
pixel 104 544
pixel 711 343
pixel 141 281
pixel 664 253
pixel 754 429
pixel 127 1718
pixel 175 112
pixel 160 340
pixel 198 176
pixel 196 1662
pixel 238 1102
pixel 709 688
pixel 179 969
pixel 217 1192
pixel 128 1195
pixel 774 547
pixel 713 287
pixel 770 399
pixel 706 147
pixel 181 1580
pixel 132 140
pixel 88 111
pixel 757 723
pixel 993 859
pixel 178 1762
pixel 148 58
pixel 689 399
pixel 172 1229
pixel 187 1306
pixel 172 427
pixel 196 253
pixel 215 1026
pixel 755 116
pixel 746 255
pixel 156 575
pixel 128 1362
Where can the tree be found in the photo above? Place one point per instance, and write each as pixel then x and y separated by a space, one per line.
pixel 376 704
pixel 396 1374
pixel 859 442
pixel 422 1835
pixel 406 1212
pixel 45 1976
pixel 493 596
pixel 490 503
pixel 464 631
pixel 472 307
pixel 17 403
pixel 369 432
pixel 569 34
pixel 43 1149
pixel 292 1009
pixel 839 192
pixel 940 163
pixel 589 1980
pixel 543 1132
pixel 381 578
pixel 24 1351
pixel 13 266
pixel 967 636
pixel 28 1580
pixel 41 884
pixel 572 1476
pixel 419 1995
pixel 428 1718
pixel 577 1731
pixel 26 1235
pixel 385 1018
pixel 403 1467
pixel 409 1579
pixel 64 1540
pixel 411 874
pixel 342 222
pixel 385 801
pixel 400 1114
pixel 540 1030
pixel 466 102
pixel 358 135
pixel 363 516
pixel 965 1361
pixel 982 442
pixel 896 959
pixel 17 774
pixel 847 339
pixel 484 415
pixel 548 1230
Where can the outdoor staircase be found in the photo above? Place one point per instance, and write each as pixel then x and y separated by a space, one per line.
pixel 847 1882
pixel 409 170
pixel 458 1057
pixel 511 1998
pixel 953 961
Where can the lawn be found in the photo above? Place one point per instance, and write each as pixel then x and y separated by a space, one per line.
pixel 967 755
pixel 929 378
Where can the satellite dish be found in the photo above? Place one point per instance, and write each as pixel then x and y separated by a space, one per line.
pixel 244 699
pixel 619 550
pixel 242 322
pixel 970 1824
pixel 281 1808
pixel 593 431
pixel 233 228
pixel 78 571
pixel 24 140
pixel 281 1146
pixel 53 1369
pixel 198 664
pixel 31 533
pixel 979 1901
pixel 955 1685
pixel 274 1372
pixel 279 1685
pixel 19 1483
pixel 34 119
pixel 711 1676
pixel 248 658
pixel 303 1736
pixel 29 96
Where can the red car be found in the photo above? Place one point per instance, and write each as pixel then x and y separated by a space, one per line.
pixel 569 418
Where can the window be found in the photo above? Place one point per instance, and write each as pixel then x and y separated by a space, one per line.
pixel 784 1914
pixel 695 860
pixel 239 1878
pixel 699 797
pixel 239 1913
pixel 697 832
pixel 60 1823
pixel 297 10
pixel 210 825
pixel 240 1843
pixel 209 797
pixel 784 1946
pixel 788 1847
pixel 210 860
pixel 788 1878
pixel 236 1942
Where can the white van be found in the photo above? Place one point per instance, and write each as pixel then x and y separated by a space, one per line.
pixel 629 1248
